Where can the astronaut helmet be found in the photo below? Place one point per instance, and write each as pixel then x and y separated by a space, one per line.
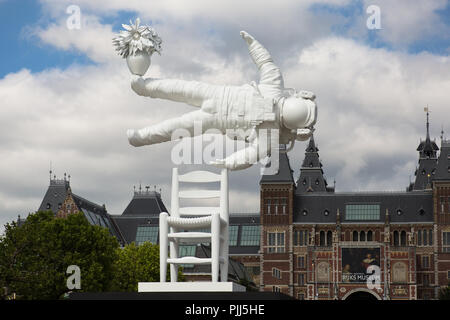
pixel 299 110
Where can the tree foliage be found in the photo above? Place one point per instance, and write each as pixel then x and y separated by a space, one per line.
pixel 444 293
pixel 137 264
pixel 35 255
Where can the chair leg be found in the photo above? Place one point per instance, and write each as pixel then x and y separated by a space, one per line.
pixel 224 253
pixel 163 228
pixel 173 255
pixel 215 247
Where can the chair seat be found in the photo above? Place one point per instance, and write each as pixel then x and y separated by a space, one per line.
pixel 191 223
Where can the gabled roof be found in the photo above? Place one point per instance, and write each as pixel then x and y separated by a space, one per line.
pixel 55 195
pixel 284 173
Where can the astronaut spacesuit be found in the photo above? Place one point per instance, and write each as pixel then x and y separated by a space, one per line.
pixel 266 105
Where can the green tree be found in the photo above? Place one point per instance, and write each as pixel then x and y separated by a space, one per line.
pixel 35 255
pixel 137 264
pixel 444 293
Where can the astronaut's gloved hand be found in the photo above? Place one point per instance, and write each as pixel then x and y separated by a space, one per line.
pixel 304 134
pixel 138 85
pixel 247 37
pixel 230 165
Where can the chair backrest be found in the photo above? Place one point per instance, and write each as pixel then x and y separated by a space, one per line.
pixel 199 177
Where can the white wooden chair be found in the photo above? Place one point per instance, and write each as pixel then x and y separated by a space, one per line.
pixel 172 228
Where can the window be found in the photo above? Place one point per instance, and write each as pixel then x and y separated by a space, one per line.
pixel 301 262
pixel 275 202
pixel 442 204
pixel 48 206
pixel 301 279
pixel 250 235
pixel 425 238
pixel 146 233
pixel 233 235
pixel 268 206
pixel 362 236
pixel 284 205
pixel 300 238
pixel 276 273
pixel 275 242
pixel 446 241
pixel 426 279
pixel 403 238
pixel 425 262
pixel 369 235
pixel 362 212
pixel 419 237
pixel 322 239
pixel 448 274
pixel 430 237
pixel 396 238
pixel 276 289
pixel 301 296
pixel 355 235
pixel 329 238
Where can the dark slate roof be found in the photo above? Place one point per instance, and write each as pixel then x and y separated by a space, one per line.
pixel 443 163
pixel 410 204
pixel 55 195
pixel 145 203
pixel 94 213
pixel 425 173
pixel 128 224
pixel 284 174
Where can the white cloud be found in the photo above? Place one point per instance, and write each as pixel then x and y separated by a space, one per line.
pixel 370 102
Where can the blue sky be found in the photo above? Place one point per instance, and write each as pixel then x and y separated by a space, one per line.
pixel 18 20
pixel 74 104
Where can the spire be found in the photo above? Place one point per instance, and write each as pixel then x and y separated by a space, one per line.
pixel 427 148
pixel 427 160
pixel 311 174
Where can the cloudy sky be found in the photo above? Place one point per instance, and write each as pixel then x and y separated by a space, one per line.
pixel 66 97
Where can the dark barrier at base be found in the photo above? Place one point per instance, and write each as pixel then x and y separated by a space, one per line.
pixel 249 296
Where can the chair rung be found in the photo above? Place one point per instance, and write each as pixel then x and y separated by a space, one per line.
pixel 199 176
pixel 193 260
pixel 199 194
pixel 189 235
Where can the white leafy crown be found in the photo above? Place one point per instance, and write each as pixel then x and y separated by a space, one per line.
pixel 137 38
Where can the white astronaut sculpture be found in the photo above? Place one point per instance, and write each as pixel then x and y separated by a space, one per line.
pixel 250 108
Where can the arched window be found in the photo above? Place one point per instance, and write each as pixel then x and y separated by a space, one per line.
pixel 329 238
pixel 355 235
pixel 362 236
pixel 396 238
pixel 322 238
pixel 369 235
pixel 403 238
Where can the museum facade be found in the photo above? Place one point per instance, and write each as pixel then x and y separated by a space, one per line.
pixel 309 241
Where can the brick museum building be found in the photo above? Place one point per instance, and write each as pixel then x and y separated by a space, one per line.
pixel 311 242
